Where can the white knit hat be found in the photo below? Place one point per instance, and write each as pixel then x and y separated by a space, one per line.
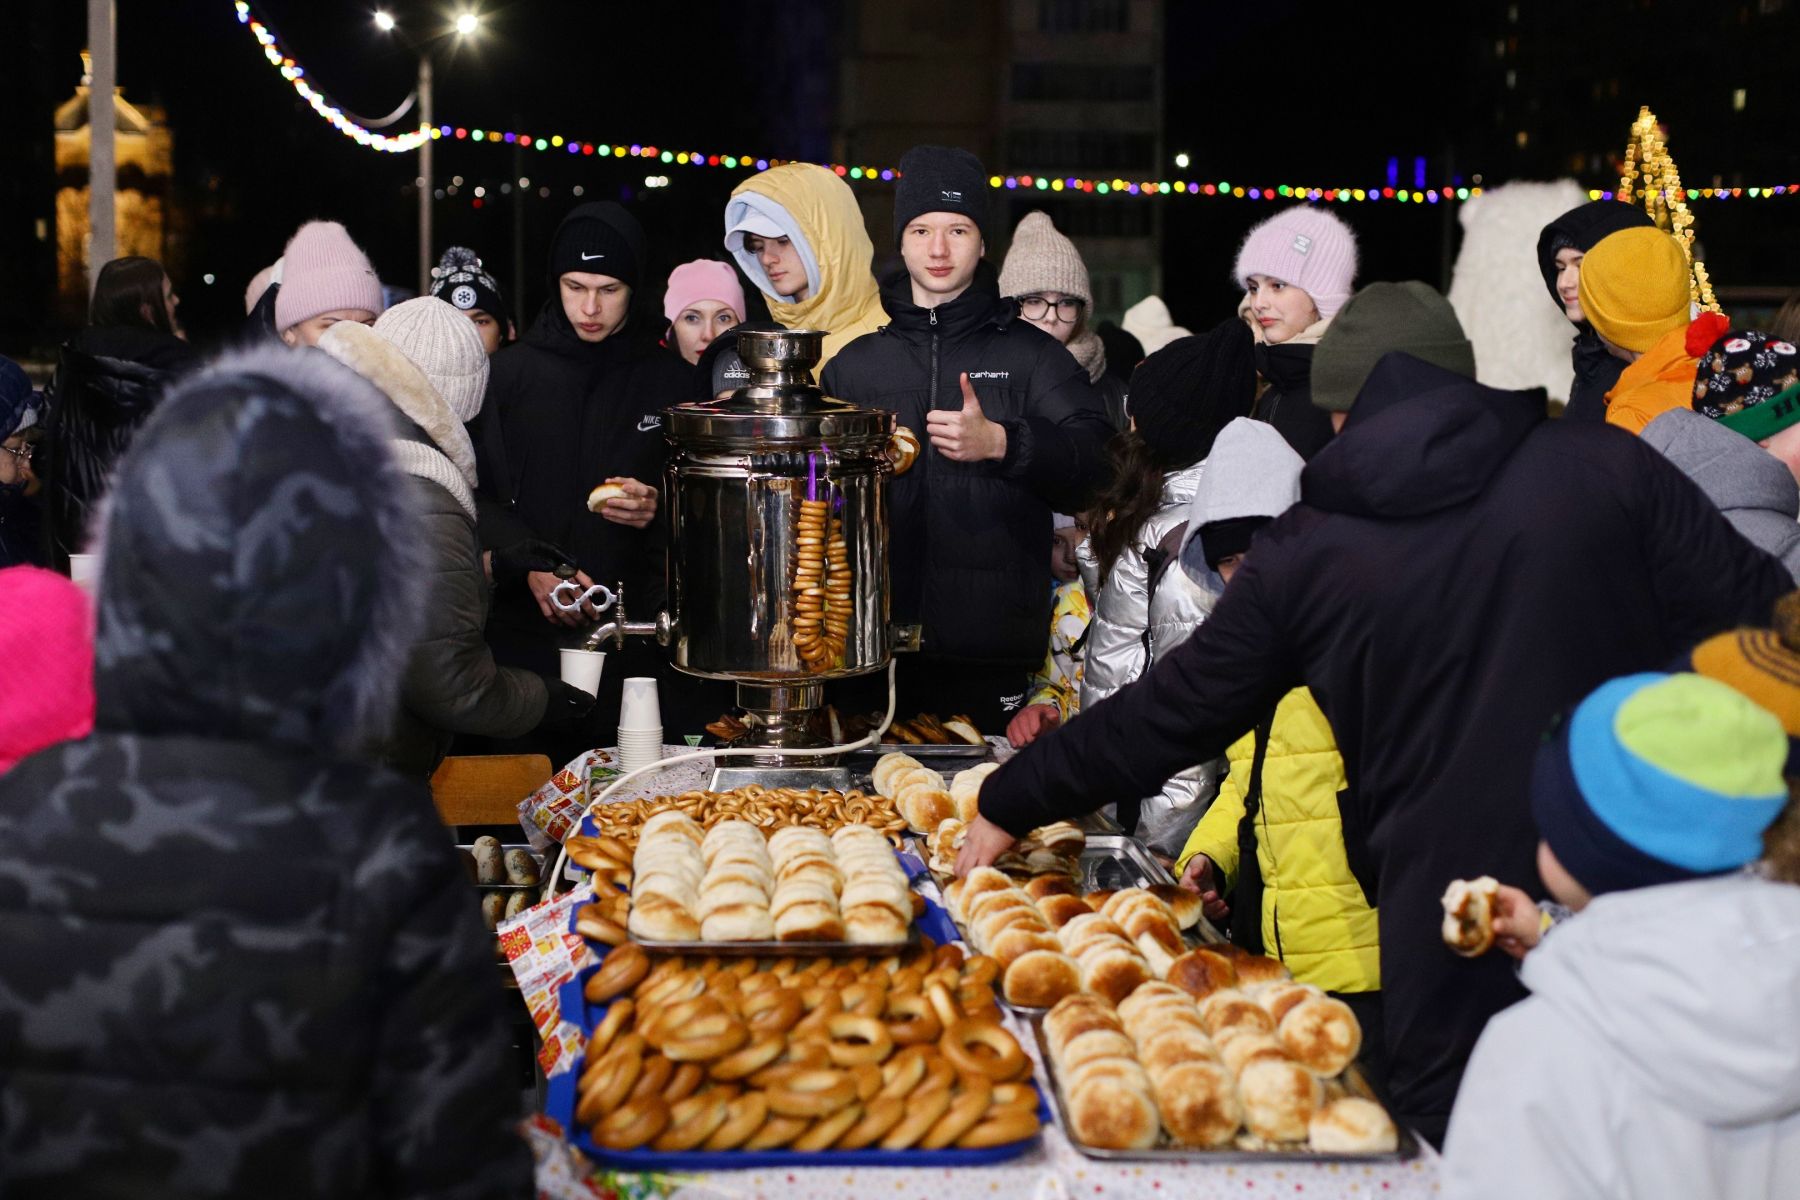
pixel 444 344
pixel 1042 259
pixel 1305 247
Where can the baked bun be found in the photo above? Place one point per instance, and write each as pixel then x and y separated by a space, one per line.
pixel 1260 968
pixel 1042 887
pixel 1322 1034
pixel 737 923
pixel 1239 1052
pixel 925 808
pixel 1199 1104
pixel 606 491
pixel 964 729
pixel 1234 1011
pixel 1110 1114
pixel 1114 974
pixel 902 449
pixel 1075 1014
pixel 1017 940
pixel 810 922
pixel 1352 1125
pixel 656 918
pixel 1039 978
pixel 1058 911
pixel 1174 1045
pixel 1280 1098
pixel 1187 906
pixel 1202 972
pixel 886 767
pixel 1279 999
pixel 1077 934
pixel 1469 915
pixel 869 924
pixel 1152 993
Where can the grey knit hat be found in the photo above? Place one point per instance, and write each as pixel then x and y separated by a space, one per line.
pixel 1041 259
pixel 1411 317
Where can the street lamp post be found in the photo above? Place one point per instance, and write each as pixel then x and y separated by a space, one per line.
pixel 425 175
pixel 465 26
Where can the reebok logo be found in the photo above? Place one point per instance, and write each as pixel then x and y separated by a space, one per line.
pixel 586 257
pixel 974 375
pixel 1011 703
pixel 1302 243
pixel 649 421
pixel 952 197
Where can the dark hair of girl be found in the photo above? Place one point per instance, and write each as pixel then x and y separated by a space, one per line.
pixel 129 291
pixel 1131 498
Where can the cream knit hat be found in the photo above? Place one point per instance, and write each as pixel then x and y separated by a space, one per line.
pixel 1041 259
pixel 443 343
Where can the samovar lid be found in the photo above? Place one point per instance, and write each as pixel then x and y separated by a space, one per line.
pixel 781 406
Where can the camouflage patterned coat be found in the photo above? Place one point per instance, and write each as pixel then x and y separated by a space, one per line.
pixel 236 962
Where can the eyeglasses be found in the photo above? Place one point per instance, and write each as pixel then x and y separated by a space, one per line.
pixel 1033 308
pixel 22 453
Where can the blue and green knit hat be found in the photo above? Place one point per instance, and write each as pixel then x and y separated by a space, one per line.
pixel 1659 778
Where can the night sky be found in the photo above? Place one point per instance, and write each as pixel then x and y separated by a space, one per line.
pixel 1283 91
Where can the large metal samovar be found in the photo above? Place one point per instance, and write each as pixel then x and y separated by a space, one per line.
pixel 778 564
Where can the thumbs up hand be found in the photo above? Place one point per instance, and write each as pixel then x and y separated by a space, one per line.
pixel 965 434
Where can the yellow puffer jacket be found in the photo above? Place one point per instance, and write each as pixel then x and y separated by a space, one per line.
pixel 1327 932
pixel 847 302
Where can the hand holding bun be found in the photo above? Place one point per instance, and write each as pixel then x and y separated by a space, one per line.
pixel 607 491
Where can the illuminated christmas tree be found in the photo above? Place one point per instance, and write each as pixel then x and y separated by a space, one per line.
pixel 1650 179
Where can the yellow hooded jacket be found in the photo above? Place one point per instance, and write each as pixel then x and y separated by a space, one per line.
pixel 821 211
pixel 1327 931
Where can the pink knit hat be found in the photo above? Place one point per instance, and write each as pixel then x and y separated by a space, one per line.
pixel 47 644
pixel 323 271
pixel 1304 247
pixel 703 279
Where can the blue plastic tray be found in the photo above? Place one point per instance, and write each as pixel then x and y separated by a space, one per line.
pixel 559 1101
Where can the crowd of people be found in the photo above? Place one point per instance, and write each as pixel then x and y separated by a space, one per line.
pixel 1328 624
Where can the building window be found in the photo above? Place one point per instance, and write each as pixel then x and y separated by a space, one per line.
pixel 1082 81
pixel 1737 100
pixel 1080 150
pixel 1084 16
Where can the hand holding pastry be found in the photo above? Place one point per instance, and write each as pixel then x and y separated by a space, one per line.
pixel 1201 878
pixel 1518 923
pixel 624 502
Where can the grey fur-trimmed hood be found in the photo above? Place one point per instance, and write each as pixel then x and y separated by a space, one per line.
pixel 261 559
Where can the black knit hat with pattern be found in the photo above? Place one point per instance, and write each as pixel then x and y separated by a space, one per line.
pixel 1185 393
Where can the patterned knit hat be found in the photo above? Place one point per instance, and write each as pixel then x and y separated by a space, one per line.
pixel 47 643
pixel 1304 247
pixel 1764 664
pixel 460 279
pixel 1657 779
pixel 323 271
pixel 1041 259
pixel 1750 382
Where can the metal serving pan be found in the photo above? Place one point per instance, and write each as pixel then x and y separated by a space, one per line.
pixel 1352 1082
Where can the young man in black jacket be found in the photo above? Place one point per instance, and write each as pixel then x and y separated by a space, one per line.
pixel 1014 433
pixel 1458 571
pixel 574 403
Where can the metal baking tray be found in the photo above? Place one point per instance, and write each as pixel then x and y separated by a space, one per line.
pixel 782 949
pixel 1352 1082
pixel 930 751
pixel 1111 861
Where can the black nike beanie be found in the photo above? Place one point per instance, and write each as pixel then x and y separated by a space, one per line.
pixel 602 238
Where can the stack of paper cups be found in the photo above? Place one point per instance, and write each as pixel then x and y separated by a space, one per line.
pixel 640 724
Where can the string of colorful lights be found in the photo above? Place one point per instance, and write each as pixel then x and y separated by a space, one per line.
pixel 1027 181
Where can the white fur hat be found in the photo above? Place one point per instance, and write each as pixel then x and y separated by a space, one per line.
pixel 444 344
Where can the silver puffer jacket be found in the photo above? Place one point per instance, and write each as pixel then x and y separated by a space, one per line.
pixel 1115 653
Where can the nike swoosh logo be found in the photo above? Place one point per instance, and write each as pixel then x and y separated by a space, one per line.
pixel 646 424
pixel 586 257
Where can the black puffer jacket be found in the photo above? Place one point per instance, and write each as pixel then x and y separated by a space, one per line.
pixel 453 685
pixel 108 379
pixel 1287 402
pixel 968 539
pixel 1459 570
pixel 1596 368
pixel 236 962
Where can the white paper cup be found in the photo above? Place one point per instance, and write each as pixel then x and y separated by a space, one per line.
pixel 639 706
pixel 581 669
pixel 633 756
pixel 84 569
